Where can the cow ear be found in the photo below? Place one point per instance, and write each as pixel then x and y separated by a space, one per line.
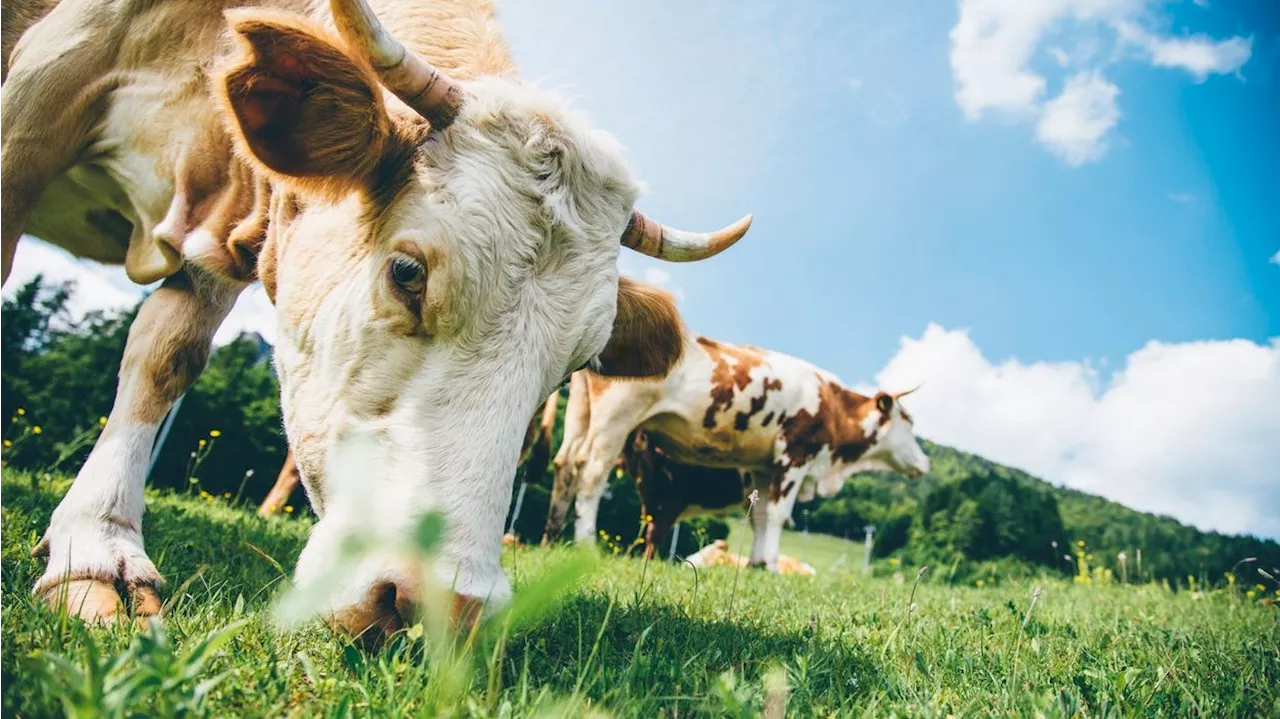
pixel 302 107
pixel 648 335
pixel 884 403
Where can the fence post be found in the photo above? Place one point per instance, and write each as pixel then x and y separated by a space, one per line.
pixel 870 529
pixel 511 528
pixel 164 434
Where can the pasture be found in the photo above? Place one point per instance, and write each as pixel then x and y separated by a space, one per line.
pixel 626 639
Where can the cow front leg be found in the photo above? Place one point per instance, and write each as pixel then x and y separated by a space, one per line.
pixel 94 539
pixel 768 518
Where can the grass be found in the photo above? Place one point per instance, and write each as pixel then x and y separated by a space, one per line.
pixel 631 641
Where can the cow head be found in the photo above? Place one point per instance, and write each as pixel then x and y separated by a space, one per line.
pixel 439 270
pixel 893 444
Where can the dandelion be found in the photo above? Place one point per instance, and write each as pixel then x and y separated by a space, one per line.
pixel 203 443
pixel 215 433
pixel 21 411
pixel 1079 542
pixel 36 429
pixel 226 495
pixel 288 509
pixel 7 443
pixel 102 421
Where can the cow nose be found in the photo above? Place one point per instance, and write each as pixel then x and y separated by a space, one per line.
pixel 392 606
pixel 387 609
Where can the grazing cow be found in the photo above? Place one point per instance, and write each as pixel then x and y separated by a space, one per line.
pixel 536 452
pixel 793 427
pixel 439 237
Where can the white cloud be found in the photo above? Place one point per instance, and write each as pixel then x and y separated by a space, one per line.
pixel 1199 55
pixel 98 287
pixel 661 278
pixel 1275 259
pixel 1184 429
pixel 106 287
pixel 995 43
pixel 1075 124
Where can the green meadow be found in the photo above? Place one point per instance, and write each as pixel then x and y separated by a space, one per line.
pixel 614 636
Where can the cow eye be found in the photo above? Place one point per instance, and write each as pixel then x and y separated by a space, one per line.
pixel 408 274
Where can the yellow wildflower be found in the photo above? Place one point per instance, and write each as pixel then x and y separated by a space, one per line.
pixel 36 429
pixel 203 443
pixel 288 509
pixel 7 443
pixel 979 582
pixel 102 421
pixel 226 495
pixel 215 433
pixel 21 411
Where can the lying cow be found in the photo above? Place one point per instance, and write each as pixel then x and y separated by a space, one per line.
pixel 535 452
pixel 717 554
pixel 793 427
pixel 441 250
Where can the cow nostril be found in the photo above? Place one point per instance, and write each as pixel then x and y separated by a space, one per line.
pixel 373 621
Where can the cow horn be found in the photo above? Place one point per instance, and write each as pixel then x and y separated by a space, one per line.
pixel 900 395
pixel 417 82
pixel 655 239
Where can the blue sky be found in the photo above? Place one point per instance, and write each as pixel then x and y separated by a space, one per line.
pixel 880 208
pixel 1061 215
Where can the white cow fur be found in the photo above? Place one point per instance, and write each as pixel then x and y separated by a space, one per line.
pixel 518 207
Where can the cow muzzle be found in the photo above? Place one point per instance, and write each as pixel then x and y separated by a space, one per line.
pixel 390 607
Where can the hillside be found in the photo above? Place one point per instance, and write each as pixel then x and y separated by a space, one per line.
pixel 1169 549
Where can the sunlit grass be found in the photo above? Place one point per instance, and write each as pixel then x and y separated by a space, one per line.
pixel 631 640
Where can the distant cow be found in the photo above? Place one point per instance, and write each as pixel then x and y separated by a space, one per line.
pixel 793 427
pixel 717 554
pixel 439 237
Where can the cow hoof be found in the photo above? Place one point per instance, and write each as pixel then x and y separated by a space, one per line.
pixel 98 602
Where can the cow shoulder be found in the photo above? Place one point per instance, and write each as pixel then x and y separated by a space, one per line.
pixel 648 334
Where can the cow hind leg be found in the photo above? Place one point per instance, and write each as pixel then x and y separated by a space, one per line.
pixel 286 482
pixel 600 457
pixel 94 539
pixel 562 491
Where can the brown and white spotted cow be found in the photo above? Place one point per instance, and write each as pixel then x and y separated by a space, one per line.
pixel 794 428
pixel 441 250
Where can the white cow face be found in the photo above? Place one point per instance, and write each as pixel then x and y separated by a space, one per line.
pixel 433 286
pixel 894 446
